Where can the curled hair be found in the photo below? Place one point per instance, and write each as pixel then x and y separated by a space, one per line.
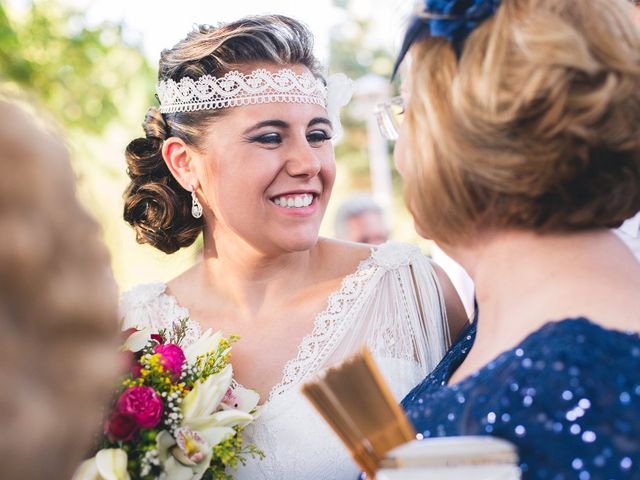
pixel 537 126
pixel 156 205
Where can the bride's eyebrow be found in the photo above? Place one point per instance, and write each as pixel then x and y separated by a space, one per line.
pixel 266 123
pixel 322 120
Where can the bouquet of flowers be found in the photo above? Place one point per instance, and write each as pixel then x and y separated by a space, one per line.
pixel 177 414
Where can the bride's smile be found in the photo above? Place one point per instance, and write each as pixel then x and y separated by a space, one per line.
pixel 264 173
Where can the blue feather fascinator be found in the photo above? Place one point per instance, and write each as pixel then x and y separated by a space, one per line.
pixel 453 19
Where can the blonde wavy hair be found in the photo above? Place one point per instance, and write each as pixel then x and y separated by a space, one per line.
pixel 536 126
pixel 58 308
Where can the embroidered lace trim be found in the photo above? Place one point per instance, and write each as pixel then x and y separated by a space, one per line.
pixel 235 89
pixel 328 329
pixel 330 325
pixel 149 305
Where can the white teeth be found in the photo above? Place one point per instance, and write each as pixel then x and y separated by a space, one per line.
pixel 294 201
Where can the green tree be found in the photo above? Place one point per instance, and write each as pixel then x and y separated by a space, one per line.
pixel 80 72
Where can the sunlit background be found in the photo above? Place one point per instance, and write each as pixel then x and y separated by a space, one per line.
pixel 91 67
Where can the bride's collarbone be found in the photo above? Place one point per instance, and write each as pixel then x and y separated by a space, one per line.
pixel 272 337
pixel 260 356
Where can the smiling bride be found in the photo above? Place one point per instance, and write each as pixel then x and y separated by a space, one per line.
pixel 240 150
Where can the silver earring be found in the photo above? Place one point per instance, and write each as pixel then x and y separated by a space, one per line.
pixel 196 207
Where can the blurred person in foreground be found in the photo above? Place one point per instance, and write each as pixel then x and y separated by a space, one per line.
pixel 58 308
pixel 521 149
pixel 361 219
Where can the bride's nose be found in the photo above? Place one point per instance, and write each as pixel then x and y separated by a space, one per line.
pixel 303 160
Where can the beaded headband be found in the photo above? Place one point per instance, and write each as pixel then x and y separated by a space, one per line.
pixel 236 89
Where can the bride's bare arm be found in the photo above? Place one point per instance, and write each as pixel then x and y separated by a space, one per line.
pixel 456 313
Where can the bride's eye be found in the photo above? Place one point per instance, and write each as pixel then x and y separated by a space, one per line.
pixel 267 139
pixel 318 137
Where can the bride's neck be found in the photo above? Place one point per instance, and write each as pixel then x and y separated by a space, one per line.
pixel 249 278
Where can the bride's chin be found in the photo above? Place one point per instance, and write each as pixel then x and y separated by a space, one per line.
pixel 298 242
pixel 299 245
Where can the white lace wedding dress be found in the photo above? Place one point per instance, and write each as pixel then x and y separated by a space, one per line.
pixel 392 303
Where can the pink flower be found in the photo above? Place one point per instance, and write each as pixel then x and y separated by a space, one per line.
pixel 120 427
pixel 141 403
pixel 230 398
pixel 171 357
pixel 136 370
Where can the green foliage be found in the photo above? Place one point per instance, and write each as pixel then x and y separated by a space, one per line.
pixel 228 453
pixel 351 53
pixel 79 72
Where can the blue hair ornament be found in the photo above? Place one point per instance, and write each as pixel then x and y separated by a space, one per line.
pixel 453 19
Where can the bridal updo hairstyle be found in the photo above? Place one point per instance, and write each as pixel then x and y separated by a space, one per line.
pixel 58 307
pixel 156 205
pixel 535 126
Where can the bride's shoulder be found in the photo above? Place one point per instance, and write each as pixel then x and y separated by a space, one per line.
pixel 393 255
pixel 341 257
pixel 141 295
pixel 390 255
pixel 149 305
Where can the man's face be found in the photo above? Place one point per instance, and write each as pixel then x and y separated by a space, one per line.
pixel 368 227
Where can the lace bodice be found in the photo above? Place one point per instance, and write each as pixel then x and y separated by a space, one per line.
pixel 392 303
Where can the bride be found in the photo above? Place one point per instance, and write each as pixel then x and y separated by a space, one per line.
pixel 240 150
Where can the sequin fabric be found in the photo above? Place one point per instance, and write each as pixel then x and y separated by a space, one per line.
pixel 568 396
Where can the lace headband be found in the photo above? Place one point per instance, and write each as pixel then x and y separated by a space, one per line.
pixel 260 86
pixel 236 89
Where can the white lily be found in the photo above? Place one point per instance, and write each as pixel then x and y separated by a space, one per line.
pixel 199 409
pixel 112 464
pixel 205 396
pixel 207 343
pixel 108 464
pixel 87 470
pixel 219 424
pixel 184 460
pixel 138 340
pixel 240 398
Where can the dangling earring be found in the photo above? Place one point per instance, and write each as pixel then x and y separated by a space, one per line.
pixel 196 207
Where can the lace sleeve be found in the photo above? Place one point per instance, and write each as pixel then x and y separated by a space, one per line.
pixel 149 306
pixel 402 318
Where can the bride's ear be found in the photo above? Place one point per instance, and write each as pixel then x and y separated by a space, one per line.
pixel 179 159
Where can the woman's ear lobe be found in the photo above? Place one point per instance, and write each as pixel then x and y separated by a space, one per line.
pixel 178 157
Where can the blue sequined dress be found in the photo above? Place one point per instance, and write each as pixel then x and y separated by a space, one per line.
pixel 568 396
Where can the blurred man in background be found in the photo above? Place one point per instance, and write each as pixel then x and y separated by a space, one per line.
pixel 361 219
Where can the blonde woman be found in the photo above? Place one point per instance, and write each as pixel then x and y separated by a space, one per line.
pixel 520 151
